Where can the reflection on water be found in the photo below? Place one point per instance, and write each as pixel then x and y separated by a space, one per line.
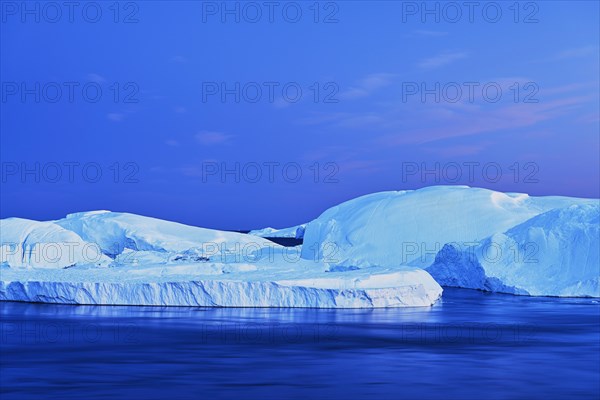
pixel 469 345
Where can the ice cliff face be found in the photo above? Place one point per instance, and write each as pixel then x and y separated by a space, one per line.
pixel 421 291
pixel 553 254
pixel 271 280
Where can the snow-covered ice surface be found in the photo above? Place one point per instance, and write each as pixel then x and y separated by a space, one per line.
pixel 553 254
pixel 475 238
pixel 114 232
pixel 25 242
pixel 146 261
pixel 296 232
pixel 409 227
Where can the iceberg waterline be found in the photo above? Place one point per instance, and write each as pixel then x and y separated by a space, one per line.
pixel 379 250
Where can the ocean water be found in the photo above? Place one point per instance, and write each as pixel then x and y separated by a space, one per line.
pixel 471 345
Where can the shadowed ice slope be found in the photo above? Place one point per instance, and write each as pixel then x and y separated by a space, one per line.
pixel 553 254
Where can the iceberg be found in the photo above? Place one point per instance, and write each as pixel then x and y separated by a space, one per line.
pixel 410 227
pixel 389 249
pixel 295 232
pixel 556 253
pixel 147 261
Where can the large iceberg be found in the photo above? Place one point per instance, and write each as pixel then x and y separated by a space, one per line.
pixel 146 261
pixel 556 253
pixel 410 227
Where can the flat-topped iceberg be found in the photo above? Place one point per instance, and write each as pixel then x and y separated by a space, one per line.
pixel 146 261
pixel 553 254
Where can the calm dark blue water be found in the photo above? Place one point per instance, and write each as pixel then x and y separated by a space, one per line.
pixel 469 346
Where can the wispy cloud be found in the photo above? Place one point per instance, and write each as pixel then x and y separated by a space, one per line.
pixel 194 170
pixel 483 120
pixel 590 118
pixel 368 85
pixel 571 87
pixel 115 117
pixel 209 138
pixel 441 59
pixel 577 52
pixel 178 59
pixel 191 171
pixel 427 123
pixel 172 143
pixel 280 102
pixel 180 110
pixel 440 125
pixel 344 119
pixel 367 167
pixel 96 78
pixel 344 157
pixel 459 150
pixel 424 32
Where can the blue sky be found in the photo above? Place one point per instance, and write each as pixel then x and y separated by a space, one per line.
pixel 379 105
